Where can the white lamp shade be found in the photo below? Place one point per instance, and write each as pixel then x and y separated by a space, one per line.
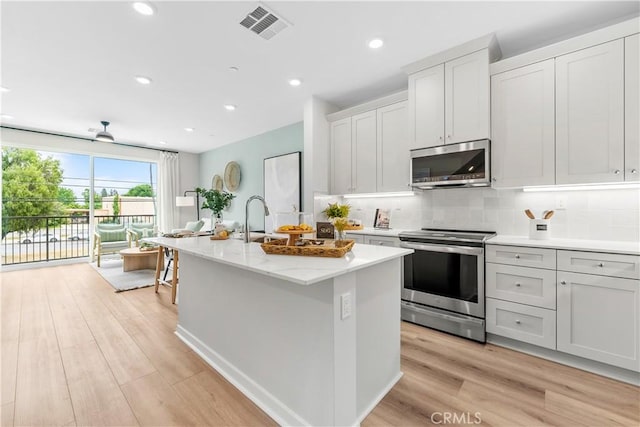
pixel 185 201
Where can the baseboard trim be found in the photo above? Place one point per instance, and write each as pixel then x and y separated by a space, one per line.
pixel 277 410
pixel 378 399
pixel 592 366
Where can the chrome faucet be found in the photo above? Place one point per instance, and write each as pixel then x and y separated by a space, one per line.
pixel 246 215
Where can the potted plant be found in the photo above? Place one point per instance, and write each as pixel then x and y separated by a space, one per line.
pixel 335 210
pixel 215 200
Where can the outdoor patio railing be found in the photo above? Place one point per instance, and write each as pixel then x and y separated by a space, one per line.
pixel 54 237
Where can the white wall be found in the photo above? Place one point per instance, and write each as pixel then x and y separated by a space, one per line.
pixel 189 174
pixel 597 215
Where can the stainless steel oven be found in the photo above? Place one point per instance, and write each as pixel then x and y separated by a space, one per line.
pixel 443 285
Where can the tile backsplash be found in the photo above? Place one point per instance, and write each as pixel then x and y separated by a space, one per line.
pixel 592 214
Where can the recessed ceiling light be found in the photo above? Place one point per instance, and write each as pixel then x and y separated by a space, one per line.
pixel 376 43
pixel 143 80
pixel 189 129
pixel 143 8
pixel 230 107
pixel 234 68
pixel 6 117
pixel 295 82
pixel 4 89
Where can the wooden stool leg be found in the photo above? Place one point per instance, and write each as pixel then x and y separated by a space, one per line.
pixel 174 277
pixel 159 267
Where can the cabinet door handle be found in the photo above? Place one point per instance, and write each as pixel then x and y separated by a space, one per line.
pixel 441 138
pixel 517 322
pixel 634 171
pixel 617 171
pixel 564 282
pixel 518 285
pixel 601 264
pixel 517 256
pixel 494 179
pixel 448 136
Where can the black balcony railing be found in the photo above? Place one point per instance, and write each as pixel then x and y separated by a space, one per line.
pixel 54 237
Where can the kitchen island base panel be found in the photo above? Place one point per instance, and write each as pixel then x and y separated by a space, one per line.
pixel 285 345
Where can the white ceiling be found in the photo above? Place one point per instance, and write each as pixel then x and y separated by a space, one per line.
pixel 71 64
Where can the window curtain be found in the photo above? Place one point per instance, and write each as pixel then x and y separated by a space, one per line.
pixel 168 189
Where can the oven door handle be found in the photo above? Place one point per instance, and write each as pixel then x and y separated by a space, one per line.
pixel 465 250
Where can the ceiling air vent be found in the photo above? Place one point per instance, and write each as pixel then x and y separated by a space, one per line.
pixel 264 22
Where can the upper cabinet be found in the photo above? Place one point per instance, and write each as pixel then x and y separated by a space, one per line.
pixel 363 146
pixel 341 156
pixel 568 113
pixel 523 126
pixel 369 149
pixel 393 148
pixel 466 101
pixel 426 108
pixel 449 102
pixel 590 115
pixel 631 108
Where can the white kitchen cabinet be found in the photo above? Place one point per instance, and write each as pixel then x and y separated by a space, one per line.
pixel 359 238
pixel 522 322
pixel 523 126
pixel 590 115
pixel 466 99
pixel 632 108
pixel 382 241
pixel 449 103
pixel 599 318
pixel 393 148
pixel 341 156
pixel 370 152
pixel 523 285
pixel 363 146
pixel 426 108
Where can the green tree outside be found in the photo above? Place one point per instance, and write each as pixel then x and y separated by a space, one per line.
pixel 67 198
pixel 116 205
pixel 97 199
pixel 142 190
pixel 29 189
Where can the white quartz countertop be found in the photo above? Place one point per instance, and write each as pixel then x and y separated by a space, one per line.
pixel 609 246
pixel 303 270
pixel 392 232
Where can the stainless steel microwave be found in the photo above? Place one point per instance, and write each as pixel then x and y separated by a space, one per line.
pixel 453 165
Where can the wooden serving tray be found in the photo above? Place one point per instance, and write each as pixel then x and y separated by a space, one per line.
pixel 330 248
pixel 354 227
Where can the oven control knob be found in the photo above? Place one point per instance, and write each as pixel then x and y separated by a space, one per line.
pixel 518 285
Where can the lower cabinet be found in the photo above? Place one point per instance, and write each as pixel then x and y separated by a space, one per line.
pixel 587 304
pixel 382 241
pixel 522 322
pixel 598 318
pixel 359 238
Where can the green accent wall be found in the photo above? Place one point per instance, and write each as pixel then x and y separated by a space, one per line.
pixel 249 154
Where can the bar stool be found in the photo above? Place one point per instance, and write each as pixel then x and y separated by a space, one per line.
pixel 173 282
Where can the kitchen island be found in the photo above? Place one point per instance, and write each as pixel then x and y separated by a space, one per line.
pixel 312 341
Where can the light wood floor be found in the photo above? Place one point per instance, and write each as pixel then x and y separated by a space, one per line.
pixel 76 353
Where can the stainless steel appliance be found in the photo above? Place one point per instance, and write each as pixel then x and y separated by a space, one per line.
pixel 443 283
pixel 454 165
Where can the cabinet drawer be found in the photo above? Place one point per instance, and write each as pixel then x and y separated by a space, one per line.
pixel 615 265
pixel 522 256
pixel 525 285
pixel 382 241
pixel 522 322
pixel 359 238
